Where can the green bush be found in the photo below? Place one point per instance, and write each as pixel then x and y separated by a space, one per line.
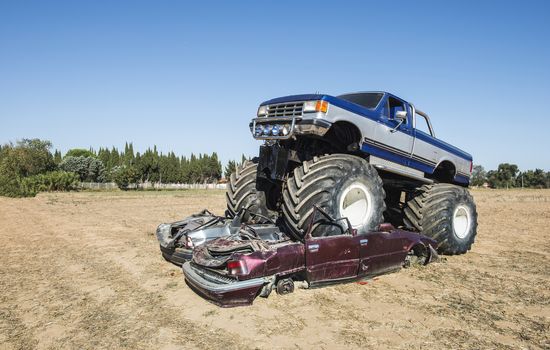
pixel 89 169
pixel 52 181
pixel 27 157
pixel 79 152
pixel 124 176
pixel 10 185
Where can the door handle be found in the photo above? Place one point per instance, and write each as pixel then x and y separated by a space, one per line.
pixel 364 241
pixel 313 248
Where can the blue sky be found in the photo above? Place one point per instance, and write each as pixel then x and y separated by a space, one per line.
pixel 188 76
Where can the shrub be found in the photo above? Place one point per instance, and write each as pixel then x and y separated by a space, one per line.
pixel 52 181
pixel 88 169
pixel 15 186
pixel 124 176
pixel 10 185
pixel 28 157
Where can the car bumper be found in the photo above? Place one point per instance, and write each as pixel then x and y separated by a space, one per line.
pixel 224 294
pixel 176 256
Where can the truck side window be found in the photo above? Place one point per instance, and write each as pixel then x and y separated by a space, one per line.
pixel 395 106
pixel 385 110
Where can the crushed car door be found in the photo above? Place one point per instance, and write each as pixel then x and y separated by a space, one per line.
pixel 331 258
pixel 380 252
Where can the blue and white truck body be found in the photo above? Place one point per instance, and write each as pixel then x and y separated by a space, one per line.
pixel 385 127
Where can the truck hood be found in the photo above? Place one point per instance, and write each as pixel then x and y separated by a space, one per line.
pixel 292 98
pixel 350 106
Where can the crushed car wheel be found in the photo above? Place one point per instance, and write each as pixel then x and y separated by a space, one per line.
pixel 417 256
pixel 242 193
pixel 342 185
pixel 446 213
pixel 285 286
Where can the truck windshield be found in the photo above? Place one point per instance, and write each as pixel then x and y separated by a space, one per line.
pixel 366 99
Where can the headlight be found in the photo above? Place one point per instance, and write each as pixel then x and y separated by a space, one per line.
pixel 164 229
pixel 267 129
pixel 315 106
pixel 164 233
pixel 275 130
pixel 262 111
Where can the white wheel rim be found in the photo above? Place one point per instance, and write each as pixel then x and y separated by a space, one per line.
pixel 462 221
pixel 356 204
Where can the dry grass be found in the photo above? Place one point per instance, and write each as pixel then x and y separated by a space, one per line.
pixel 82 270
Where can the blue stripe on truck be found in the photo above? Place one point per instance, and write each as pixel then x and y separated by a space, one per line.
pixel 392 157
pixel 407 161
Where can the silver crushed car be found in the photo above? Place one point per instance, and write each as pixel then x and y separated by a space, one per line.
pixel 178 239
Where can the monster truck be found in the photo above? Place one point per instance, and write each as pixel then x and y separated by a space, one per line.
pixel 368 156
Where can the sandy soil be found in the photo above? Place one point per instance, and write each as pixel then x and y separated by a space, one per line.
pixel 83 270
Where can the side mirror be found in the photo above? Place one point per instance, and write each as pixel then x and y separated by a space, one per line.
pixel 401 115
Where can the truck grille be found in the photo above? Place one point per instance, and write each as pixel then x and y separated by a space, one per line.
pixel 285 110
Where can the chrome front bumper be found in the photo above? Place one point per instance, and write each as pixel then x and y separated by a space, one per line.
pixel 222 293
pixel 298 126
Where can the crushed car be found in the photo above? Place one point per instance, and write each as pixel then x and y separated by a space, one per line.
pixel 178 239
pixel 235 268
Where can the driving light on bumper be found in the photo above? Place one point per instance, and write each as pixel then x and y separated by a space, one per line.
pixel 315 106
pixel 285 130
pixel 267 129
pixel 259 130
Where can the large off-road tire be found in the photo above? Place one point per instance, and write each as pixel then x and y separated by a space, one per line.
pixel 446 213
pixel 343 185
pixel 242 193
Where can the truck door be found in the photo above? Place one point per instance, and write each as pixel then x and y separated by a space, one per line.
pixel 395 137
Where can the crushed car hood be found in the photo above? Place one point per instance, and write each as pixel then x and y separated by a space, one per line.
pixel 199 228
pixel 217 252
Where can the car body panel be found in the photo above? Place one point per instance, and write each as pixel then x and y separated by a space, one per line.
pixel 381 252
pixel 329 258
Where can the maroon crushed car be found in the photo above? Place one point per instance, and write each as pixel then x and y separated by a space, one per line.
pixel 233 270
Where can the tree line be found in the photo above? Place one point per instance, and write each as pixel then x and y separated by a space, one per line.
pixel 509 176
pixel 29 166
pixel 152 166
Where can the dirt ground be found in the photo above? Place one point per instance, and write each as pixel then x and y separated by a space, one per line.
pixel 83 270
